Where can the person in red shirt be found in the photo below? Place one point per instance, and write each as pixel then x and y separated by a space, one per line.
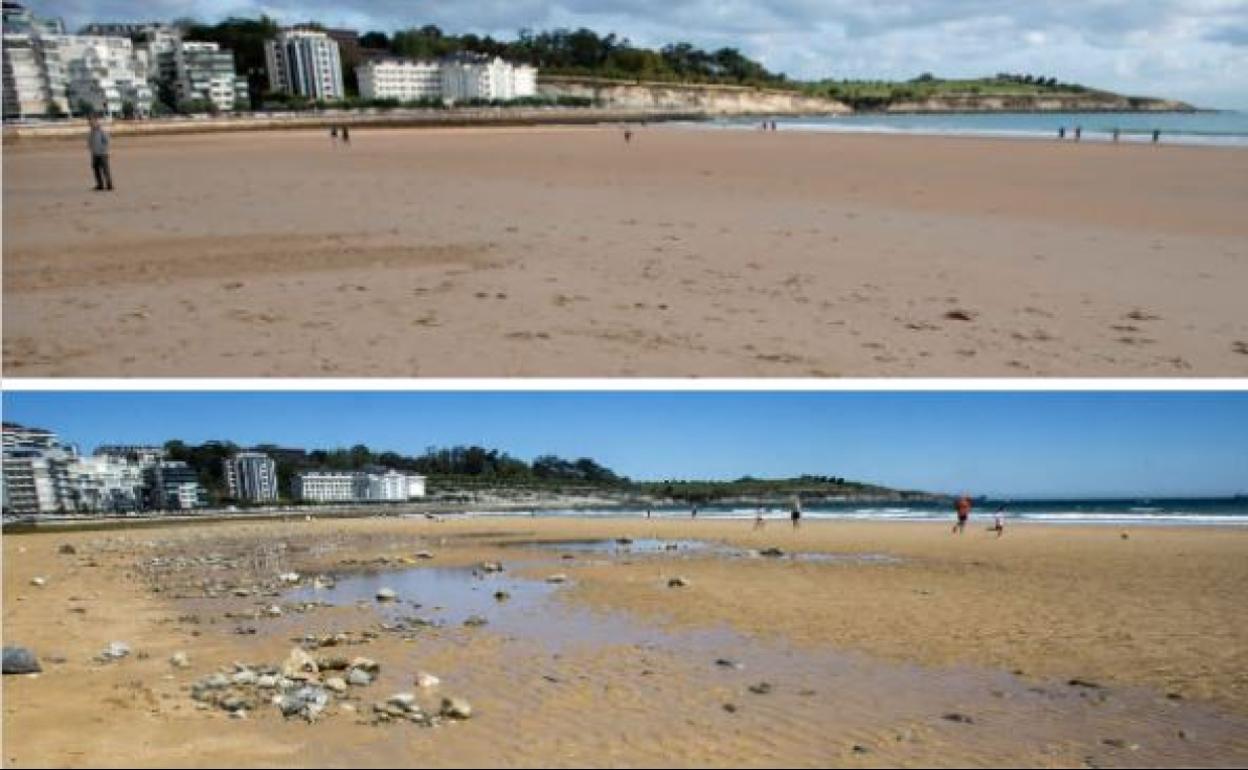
pixel 963 508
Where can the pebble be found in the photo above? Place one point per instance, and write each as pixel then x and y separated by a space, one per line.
pixel 475 620
pixel 115 651
pixel 299 665
pixel 557 578
pixel 456 708
pixel 179 660
pixel 386 595
pixel 762 688
pixel 678 582
pixel 38 582
pixel 358 677
pixel 19 660
pixel 336 684
pixel 426 680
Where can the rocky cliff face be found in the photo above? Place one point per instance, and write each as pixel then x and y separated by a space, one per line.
pixel 707 99
pixel 737 100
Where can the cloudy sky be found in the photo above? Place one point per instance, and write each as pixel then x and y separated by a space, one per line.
pixel 1189 49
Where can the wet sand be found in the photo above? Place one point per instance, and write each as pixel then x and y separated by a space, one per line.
pixel 880 644
pixel 563 252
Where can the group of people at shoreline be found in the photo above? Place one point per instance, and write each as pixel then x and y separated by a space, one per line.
pixel 1115 134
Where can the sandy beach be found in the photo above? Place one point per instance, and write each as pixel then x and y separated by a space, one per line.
pixel 564 252
pixel 863 644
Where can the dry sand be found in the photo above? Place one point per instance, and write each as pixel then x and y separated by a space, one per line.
pixel 616 668
pixel 563 252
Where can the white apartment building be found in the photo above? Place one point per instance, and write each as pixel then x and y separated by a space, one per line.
pixel 402 79
pixel 487 80
pixel 305 62
pixel 33 69
pixel 35 471
pixel 104 484
pixel 105 75
pixel 204 72
pixel 251 476
pixel 324 486
pixel 389 486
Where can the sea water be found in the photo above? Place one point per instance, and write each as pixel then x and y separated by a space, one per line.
pixel 1125 511
pixel 1221 128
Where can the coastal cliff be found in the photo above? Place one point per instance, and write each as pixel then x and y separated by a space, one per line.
pixel 709 99
pixel 704 99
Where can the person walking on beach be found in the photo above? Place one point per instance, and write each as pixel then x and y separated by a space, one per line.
pixel 1061 133
pixel 796 514
pixel 346 136
pixel 1117 134
pixel 693 514
pixel 628 135
pixel 98 143
pixel 1078 133
pixel 963 509
pixel 998 521
pixel 1156 135
pixel 759 521
pixel 333 135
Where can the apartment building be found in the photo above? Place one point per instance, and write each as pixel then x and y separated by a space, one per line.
pixel 464 78
pixel 305 62
pixel 251 476
pixel 402 79
pixel 172 485
pixel 375 486
pixel 35 471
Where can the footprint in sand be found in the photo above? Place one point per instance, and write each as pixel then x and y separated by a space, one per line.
pixel 960 315
pixel 1239 347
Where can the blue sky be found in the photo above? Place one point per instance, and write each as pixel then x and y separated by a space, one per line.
pixel 1189 49
pixel 1032 444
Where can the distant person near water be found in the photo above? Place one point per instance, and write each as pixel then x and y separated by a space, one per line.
pixel 1156 135
pixel 759 521
pixel 963 509
pixel 346 135
pixel 98 143
pixel 693 514
pixel 796 514
pixel 1117 135
pixel 1061 133
pixel 1078 133
pixel 998 521
pixel 333 135
pixel 628 136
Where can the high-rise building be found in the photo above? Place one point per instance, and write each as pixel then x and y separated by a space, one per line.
pixel 36 467
pixel 251 476
pixel 305 62
pixel 34 80
pixel 105 76
pixel 105 484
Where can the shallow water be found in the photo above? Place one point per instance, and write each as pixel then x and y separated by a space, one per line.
pixel 997 713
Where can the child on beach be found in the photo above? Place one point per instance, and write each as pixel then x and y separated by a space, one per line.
pixel 963 508
pixel 998 521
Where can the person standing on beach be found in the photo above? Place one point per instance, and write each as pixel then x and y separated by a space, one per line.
pixel 693 514
pixel 759 521
pixel 998 521
pixel 98 143
pixel 1156 135
pixel 628 136
pixel 963 509
pixel 346 136
pixel 1117 134
pixel 1078 133
pixel 796 513
pixel 1061 133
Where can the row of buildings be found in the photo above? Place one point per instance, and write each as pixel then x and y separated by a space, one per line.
pixel 43 475
pixel 109 69
pixel 123 69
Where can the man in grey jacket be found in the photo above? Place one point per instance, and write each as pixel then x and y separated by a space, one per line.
pixel 98 142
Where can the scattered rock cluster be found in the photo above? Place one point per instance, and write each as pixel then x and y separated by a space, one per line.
pixel 305 687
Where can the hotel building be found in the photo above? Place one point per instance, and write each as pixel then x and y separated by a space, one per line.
pixel 380 486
